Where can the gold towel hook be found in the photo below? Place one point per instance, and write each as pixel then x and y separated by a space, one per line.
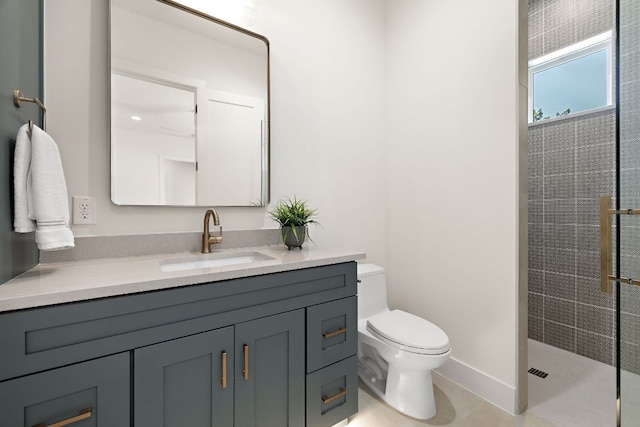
pixel 18 99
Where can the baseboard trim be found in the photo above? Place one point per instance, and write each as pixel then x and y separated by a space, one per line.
pixel 485 386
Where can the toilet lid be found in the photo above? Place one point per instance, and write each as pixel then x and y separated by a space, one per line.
pixel 408 332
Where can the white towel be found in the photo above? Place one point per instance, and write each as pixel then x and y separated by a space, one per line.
pixel 46 193
pixel 22 221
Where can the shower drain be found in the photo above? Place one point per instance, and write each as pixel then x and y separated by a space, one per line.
pixel 538 373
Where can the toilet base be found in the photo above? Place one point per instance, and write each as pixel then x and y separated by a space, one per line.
pixel 408 392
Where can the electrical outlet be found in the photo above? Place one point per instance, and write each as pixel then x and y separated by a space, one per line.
pixel 84 210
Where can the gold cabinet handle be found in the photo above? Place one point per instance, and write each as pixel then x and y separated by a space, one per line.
pixel 223 380
pixel 83 415
pixel 338 395
pixel 245 371
pixel 342 330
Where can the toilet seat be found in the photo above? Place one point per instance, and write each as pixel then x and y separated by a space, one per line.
pixel 408 332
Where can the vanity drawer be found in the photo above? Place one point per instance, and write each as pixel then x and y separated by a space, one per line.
pixel 332 332
pixel 94 393
pixel 332 393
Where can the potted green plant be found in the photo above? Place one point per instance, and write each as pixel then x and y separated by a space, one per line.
pixel 293 215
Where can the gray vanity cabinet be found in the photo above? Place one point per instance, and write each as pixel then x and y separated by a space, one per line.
pixel 286 341
pixel 270 371
pixel 192 381
pixel 185 382
pixel 332 371
pixel 88 394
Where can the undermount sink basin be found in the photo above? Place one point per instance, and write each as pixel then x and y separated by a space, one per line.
pixel 212 260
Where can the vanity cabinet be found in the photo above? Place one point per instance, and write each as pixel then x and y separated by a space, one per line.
pixel 269 373
pixel 192 381
pixel 271 350
pixel 332 371
pixel 180 382
pixel 93 393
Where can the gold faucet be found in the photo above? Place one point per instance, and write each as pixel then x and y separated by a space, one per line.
pixel 207 239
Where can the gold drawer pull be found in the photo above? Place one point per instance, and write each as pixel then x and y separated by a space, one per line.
pixel 83 415
pixel 338 395
pixel 245 371
pixel 342 330
pixel 223 380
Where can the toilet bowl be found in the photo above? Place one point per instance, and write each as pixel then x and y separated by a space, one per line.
pixel 396 350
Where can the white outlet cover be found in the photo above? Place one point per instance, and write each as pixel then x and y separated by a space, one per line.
pixel 84 210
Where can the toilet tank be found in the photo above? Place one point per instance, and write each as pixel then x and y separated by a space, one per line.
pixel 372 290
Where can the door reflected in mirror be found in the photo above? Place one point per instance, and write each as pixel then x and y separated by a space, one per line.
pixel 189 108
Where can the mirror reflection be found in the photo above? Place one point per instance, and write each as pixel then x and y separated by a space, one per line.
pixel 189 108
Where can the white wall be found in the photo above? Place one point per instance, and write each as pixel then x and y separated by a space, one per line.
pixel 403 134
pixel 452 141
pixel 327 66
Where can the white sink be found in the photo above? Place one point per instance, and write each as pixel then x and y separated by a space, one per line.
pixel 212 260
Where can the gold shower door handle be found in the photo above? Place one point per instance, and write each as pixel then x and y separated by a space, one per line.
pixel 605 245
pixel 83 415
pixel 223 380
pixel 245 371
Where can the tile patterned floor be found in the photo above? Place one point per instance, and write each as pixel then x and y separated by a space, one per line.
pixel 577 392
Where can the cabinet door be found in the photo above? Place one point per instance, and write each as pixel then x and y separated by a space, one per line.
pixel 270 372
pixel 88 394
pixel 185 382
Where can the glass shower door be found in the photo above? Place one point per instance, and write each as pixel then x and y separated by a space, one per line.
pixel 626 215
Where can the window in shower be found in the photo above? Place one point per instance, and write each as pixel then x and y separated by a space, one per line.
pixel 571 80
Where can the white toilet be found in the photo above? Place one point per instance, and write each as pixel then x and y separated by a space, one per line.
pixel 396 350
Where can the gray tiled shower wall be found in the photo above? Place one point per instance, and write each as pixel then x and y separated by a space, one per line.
pixel 571 163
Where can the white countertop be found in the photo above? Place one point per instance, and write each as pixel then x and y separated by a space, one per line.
pixel 57 283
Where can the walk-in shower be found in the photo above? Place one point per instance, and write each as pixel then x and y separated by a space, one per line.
pixel 579 245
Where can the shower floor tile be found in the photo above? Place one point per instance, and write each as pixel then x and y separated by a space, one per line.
pixel 577 392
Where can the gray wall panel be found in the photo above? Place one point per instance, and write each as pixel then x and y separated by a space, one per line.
pixel 20 67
